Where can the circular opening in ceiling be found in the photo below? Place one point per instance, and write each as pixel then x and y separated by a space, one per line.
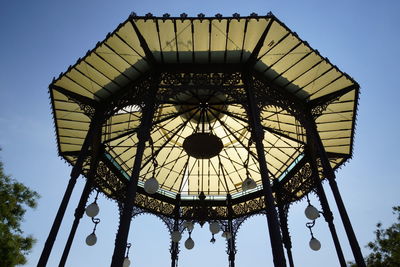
pixel 202 145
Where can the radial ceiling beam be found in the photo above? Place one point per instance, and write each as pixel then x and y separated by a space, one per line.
pixel 144 44
pixel 77 97
pixel 253 57
pixel 71 153
pixel 337 155
pixel 332 96
pixel 297 103
pixel 269 129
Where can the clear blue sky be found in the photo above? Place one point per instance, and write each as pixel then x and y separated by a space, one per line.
pixel 39 39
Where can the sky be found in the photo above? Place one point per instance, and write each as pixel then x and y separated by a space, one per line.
pixel 40 39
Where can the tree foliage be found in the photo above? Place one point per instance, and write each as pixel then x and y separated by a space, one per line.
pixel 14 198
pixel 386 246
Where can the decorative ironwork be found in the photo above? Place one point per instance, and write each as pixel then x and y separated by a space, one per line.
pixel 154 205
pixel 173 82
pixel 114 187
pixel 268 94
pixel 240 92
pixel 109 182
pixel 319 109
pixel 87 109
pixel 135 94
pixel 201 212
pixel 294 184
pixel 229 83
pixel 249 207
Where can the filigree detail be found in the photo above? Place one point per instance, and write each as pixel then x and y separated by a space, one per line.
pixel 319 109
pixel 202 214
pixel 206 78
pixel 173 83
pixel 300 184
pixel 249 207
pixel 135 94
pixel 154 205
pixel 88 110
pixel 114 187
pixel 108 182
pixel 268 94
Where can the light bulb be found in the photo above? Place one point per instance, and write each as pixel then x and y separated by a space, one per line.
pixel 311 212
pixel 91 239
pixel 188 225
pixel 176 236
pixel 215 228
pixel 189 243
pixel 151 186
pixel 315 244
pixel 227 235
pixel 92 210
pixel 126 263
pixel 248 184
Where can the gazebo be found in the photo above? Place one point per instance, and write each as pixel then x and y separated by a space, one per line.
pixel 204 120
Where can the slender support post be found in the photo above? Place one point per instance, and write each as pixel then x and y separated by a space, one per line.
pixel 258 136
pixel 174 254
pixel 326 211
pixel 283 211
pixel 330 175
pixel 126 215
pixel 96 151
pixel 231 242
pixel 231 245
pixel 175 246
pixel 95 126
pixel 283 218
pixel 78 215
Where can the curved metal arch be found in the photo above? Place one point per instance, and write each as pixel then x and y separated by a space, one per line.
pixel 238 222
pixel 168 222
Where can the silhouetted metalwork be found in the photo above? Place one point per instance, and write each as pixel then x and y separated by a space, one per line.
pixel 271 110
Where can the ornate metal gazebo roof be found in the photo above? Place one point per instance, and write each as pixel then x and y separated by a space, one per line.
pixel 199 63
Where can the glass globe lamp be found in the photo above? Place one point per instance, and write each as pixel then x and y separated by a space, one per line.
pixel 189 243
pixel 176 236
pixel 188 225
pixel 92 210
pixel 311 212
pixel 215 228
pixel 151 186
pixel 248 184
pixel 126 262
pixel 227 235
pixel 315 244
pixel 91 239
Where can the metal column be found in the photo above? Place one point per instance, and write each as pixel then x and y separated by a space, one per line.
pixel 95 126
pixel 231 242
pixel 95 154
pixel 330 175
pixel 258 136
pixel 143 135
pixel 283 218
pixel 231 245
pixel 175 246
pixel 326 211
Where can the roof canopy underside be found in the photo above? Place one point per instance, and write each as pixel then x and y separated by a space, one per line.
pixel 142 44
